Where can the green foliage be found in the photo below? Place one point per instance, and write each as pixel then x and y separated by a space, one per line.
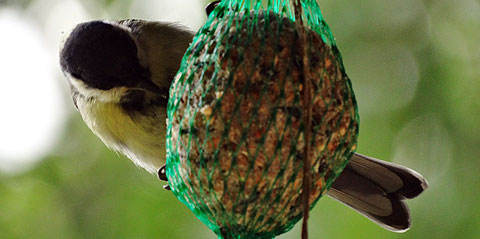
pixel 83 190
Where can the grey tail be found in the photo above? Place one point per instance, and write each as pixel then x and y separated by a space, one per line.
pixel 377 189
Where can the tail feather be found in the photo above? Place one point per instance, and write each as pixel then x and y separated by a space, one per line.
pixel 377 190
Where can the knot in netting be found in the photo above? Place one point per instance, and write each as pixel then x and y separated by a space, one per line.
pixel 236 131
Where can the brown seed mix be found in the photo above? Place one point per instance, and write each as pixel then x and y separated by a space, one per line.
pixel 239 135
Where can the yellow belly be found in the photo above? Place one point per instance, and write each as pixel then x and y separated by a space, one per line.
pixel 139 136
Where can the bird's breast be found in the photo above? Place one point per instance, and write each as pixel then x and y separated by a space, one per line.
pixel 138 135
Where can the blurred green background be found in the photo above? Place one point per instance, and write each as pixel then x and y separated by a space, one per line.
pixel 415 68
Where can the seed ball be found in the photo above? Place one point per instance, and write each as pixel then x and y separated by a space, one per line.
pixel 236 132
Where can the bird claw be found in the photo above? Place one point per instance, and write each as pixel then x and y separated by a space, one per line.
pixel 162 174
pixel 209 8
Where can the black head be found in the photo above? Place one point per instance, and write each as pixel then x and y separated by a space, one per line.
pixel 102 55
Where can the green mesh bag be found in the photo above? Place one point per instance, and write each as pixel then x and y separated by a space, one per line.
pixel 236 128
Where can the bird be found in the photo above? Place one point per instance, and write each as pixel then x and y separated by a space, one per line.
pixel 119 73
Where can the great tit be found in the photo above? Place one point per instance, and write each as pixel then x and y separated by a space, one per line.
pixel 120 73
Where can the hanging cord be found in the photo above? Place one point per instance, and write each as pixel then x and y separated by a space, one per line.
pixel 307 116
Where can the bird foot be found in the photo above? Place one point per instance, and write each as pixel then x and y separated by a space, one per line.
pixel 162 175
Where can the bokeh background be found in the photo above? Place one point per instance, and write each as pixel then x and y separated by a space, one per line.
pixel 415 67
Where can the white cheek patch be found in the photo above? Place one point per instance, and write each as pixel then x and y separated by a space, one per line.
pixel 112 95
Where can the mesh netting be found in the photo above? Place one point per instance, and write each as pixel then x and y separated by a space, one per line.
pixel 236 131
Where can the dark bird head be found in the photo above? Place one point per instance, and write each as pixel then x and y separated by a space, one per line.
pixel 102 55
pixel 109 59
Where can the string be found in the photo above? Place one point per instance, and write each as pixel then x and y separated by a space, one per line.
pixel 307 116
